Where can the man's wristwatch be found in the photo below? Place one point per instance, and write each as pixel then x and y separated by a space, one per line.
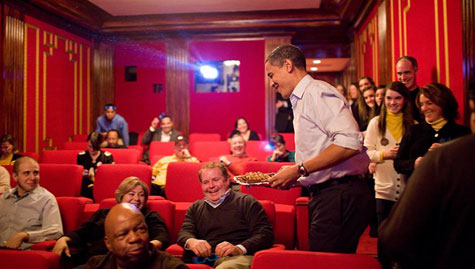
pixel 302 170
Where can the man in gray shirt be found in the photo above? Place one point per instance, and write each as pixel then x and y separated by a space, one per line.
pixel 28 213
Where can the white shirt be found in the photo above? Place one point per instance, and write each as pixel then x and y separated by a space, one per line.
pixel 322 117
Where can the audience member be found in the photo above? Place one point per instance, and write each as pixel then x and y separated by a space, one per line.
pixel 90 159
pixel 439 107
pixel 231 226
pixel 379 95
pixel 28 213
pixel 284 115
pixel 432 225
pixel 242 127
pixel 128 241
pixel 353 94
pixel 4 179
pixel 365 82
pixel 90 236
pixel 159 171
pixel 234 161
pixel 366 108
pixel 329 154
pixel 111 120
pixel 406 69
pixel 165 133
pixel 382 140
pixel 9 151
pixel 113 140
pixel 341 89
pixel 280 153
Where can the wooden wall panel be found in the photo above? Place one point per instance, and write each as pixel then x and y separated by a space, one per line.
pixel 384 41
pixel 12 119
pixel 468 26
pixel 103 80
pixel 178 84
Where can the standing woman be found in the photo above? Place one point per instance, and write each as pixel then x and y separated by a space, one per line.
pixel 382 138
pixel 9 151
pixel 367 108
pixel 90 159
pixel 438 106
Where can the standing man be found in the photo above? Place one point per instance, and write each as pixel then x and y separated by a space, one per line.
pixel 164 133
pixel 406 69
pixel 226 227
pixel 111 120
pixel 28 213
pixel 329 154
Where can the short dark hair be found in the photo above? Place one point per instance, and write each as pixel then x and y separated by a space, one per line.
pixel 441 96
pixel 96 140
pixel 16 164
pixel 410 59
pixel 287 51
pixel 237 120
pixel 212 165
pixel 370 79
pixel 8 138
pixel 276 138
pixel 113 131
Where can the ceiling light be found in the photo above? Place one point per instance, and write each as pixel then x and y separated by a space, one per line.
pixel 313 68
pixel 317 61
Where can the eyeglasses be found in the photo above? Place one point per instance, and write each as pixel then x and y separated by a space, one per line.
pixel 213 257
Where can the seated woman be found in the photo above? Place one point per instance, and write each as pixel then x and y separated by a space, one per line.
pixel 9 151
pixel 438 106
pixel 382 138
pixel 90 236
pixel 280 153
pixel 90 159
pixel 238 156
pixel 242 127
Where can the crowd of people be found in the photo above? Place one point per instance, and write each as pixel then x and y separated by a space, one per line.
pixel 373 151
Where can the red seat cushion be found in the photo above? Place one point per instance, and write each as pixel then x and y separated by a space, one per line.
pixel 61 179
pixel 28 259
pixel 124 156
pixel 183 183
pixel 207 150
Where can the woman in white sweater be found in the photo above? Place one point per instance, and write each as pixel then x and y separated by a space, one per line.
pixel 382 139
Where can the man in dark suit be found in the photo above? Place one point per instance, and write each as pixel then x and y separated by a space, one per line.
pixel 164 133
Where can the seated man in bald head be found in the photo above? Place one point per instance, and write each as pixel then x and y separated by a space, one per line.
pixel 28 213
pixel 128 243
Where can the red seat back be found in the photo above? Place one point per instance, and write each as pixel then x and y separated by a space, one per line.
pixel 289 140
pixel 71 209
pixel 82 145
pixel 61 179
pixel 207 150
pixel 137 148
pixel 161 148
pixel 269 208
pixel 183 184
pixel 265 193
pixel 33 155
pixel 79 138
pixel 28 259
pixel 109 177
pixel 124 156
pixel 295 259
pixel 195 137
pixel 10 170
pixel 258 149
pixel 59 156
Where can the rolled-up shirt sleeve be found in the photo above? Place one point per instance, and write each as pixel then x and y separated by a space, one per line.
pixel 51 225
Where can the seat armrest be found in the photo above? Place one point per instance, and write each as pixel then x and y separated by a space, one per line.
pixel 45 245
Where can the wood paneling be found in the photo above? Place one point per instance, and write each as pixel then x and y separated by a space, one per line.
pixel 384 36
pixel 468 39
pixel 177 90
pixel 271 111
pixel 12 120
pixel 103 79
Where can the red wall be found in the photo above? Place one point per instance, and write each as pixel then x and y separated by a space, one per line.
pixel 367 47
pixel 57 76
pixel 217 112
pixel 136 101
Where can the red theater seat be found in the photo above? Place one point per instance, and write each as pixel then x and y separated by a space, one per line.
pixel 137 148
pixel 28 259
pixel 81 145
pixel 295 259
pixel 79 138
pixel 258 149
pixel 109 176
pixel 301 205
pixel 33 155
pixel 10 170
pixel 207 150
pixel 289 140
pixel 59 156
pixel 161 148
pixel 124 156
pixel 183 184
pixel 61 179
pixel 195 137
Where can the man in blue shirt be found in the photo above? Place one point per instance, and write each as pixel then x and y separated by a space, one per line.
pixel 111 120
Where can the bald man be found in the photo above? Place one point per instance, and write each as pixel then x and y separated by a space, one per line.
pixel 128 243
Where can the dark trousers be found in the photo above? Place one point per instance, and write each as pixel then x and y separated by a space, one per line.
pixel 383 208
pixel 157 190
pixel 338 215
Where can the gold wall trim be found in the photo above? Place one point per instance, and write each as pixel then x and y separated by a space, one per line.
pixel 25 80
pixel 80 88
pixel 400 27
pixel 437 48
pixel 88 96
pixel 406 9
pixel 52 43
pixel 446 46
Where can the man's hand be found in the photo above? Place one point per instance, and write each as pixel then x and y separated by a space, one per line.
pixel 225 248
pixel 157 244
pixel 285 178
pixel 62 246
pixel 15 241
pixel 201 248
pixel 224 160
pixel 417 162
pixel 154 123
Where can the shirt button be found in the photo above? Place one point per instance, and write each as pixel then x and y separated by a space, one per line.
pixel 397 192
pixel 398 179
pixel 398 186
pixel 397 198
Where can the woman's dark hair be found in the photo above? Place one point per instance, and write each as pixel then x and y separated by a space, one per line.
pixel 9 139
pixel 371 81
pixel 407 120
pixel 441 96
pixel 96 140
pixel 241 118
pixel 366 113
pixel 276 138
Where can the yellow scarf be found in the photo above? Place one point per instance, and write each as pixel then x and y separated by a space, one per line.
pixel 394 124
pixel 6 159
pixel 438 124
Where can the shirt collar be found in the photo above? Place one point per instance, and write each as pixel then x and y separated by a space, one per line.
pixel 13 193
pixel 220 201
pixel 300 89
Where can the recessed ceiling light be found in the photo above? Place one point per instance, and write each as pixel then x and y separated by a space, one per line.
pixel 317 61
pixel 313 68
